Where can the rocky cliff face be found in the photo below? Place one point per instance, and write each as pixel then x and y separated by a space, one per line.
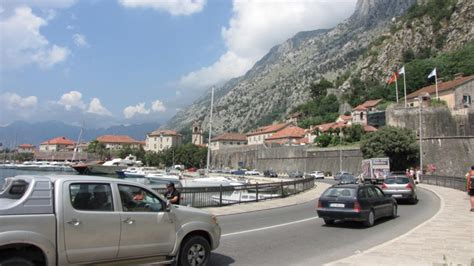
pixel 280 80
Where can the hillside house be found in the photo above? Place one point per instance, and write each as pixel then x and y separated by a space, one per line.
pixel 359 113
pixel 259 135
pixel 57 144
pixel 26 148
pixel 228 140
pixel 291 135
pixel 160 140
pixel 117 142
pixel 457 93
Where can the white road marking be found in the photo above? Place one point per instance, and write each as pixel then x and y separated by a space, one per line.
pixel 269 227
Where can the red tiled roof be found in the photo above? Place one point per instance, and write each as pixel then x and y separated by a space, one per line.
pixel 230 137
pixel 333 125
pixel 368 128
pixel 116 139
pixel 164 132
pixel 371 103
pixel 289 132
pixel 268 129
pixel 360 107
pixel 58 141
pixel 442 86
pixel 26 146
pixel 346 117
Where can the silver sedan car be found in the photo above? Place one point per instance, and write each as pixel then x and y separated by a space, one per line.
pixel 400 187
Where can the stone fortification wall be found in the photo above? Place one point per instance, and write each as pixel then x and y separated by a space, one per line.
pixel 436 121
pixel 450 155
pixel 284 159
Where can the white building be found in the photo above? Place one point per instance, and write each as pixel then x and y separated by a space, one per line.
pixel 259 135
pixel 117 142
pixel 227 140
pixel 159 140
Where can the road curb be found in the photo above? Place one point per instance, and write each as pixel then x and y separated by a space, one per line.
pixel 441 208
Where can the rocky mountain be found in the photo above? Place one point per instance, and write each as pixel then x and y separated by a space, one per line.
pixel 368 44
pixel 35 133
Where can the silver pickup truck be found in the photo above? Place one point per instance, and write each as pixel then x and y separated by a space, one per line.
pixel 70 220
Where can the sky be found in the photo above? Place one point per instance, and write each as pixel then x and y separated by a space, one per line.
pixel 110 62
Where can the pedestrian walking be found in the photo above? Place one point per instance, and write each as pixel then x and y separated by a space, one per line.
pixel 470 186
pixel 172 194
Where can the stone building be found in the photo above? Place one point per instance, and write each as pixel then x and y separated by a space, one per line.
pixel 457 93
pixel 57 144
pixel 117 142
pixel 197 134
pixel 259 135
pixel 26 148
pixel 227 140
pixel 160 140
pixel 360 112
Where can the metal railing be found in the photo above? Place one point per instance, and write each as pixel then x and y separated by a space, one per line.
pixel 227 195
pixel 445 181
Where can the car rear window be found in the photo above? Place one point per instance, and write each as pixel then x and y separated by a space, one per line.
pixel 340 192
pixel 397 180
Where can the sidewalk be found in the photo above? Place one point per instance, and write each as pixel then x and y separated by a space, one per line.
pixel 445 239
pixel 302 197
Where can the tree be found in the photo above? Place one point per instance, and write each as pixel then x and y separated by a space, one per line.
pixel 98 148
pixel 323 140
pixel 399 144
pixel 319 90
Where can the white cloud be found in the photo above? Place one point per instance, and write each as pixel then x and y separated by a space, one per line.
pixel 131 111
pixel 72 99
pixel 158 106
pixel 257 26
pixel 95 107
pixel 23 44
pixel 13 101
pixel 174 7
pixel 80 40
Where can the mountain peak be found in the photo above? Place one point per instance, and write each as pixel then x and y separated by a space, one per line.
pixel 370 12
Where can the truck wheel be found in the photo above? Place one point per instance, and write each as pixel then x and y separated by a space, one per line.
pixel 16 261
pixel 194 251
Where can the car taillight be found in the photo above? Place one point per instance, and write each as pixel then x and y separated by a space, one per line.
pixel 357 206
pixel 320 205
pixel 384 186
pixel 409 186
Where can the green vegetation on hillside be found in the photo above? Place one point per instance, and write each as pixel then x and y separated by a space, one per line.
pixel 437 10
pixel 322 108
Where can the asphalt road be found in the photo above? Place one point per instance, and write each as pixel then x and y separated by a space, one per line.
pixel 294 234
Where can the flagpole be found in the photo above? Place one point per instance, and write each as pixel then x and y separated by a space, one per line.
pixel 210 134
pixel 396 87
pixel 436 84
pixel 405 87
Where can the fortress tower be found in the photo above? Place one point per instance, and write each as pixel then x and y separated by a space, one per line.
pixel 197 138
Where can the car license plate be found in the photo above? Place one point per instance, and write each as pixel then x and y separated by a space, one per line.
pixel 397 195
pixel 337 205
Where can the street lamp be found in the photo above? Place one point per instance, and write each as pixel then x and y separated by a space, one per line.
pixel 421 98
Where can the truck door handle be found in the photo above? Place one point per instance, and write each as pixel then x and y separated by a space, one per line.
pixel 74 222
pixel 129 221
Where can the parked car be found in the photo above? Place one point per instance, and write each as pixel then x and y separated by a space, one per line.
pixel 400 187
pixel 238 172
pixel 71 220
pixel 317 174
pixel 337 176
pixel 348 179
pixel 252 172
pixel 355 202
pixel 270 173
pixel 295 174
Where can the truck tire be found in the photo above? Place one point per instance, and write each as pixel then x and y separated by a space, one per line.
pixel 194 251
pixel 16 261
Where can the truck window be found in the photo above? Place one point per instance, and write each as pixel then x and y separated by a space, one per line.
pixel 91 197
pixel 137 199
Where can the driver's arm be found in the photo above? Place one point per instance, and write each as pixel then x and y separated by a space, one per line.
pixel 174 200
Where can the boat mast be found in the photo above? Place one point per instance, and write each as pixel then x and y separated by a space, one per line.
pixel 210 133
pixel 77 143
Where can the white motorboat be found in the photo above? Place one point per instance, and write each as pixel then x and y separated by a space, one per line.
pixel 238 196
pixel 162 178
pixel 211 182
pixel 138 172
pixel 109 167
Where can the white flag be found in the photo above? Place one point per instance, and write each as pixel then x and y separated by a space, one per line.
pixel 401 71
pixel 433 73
